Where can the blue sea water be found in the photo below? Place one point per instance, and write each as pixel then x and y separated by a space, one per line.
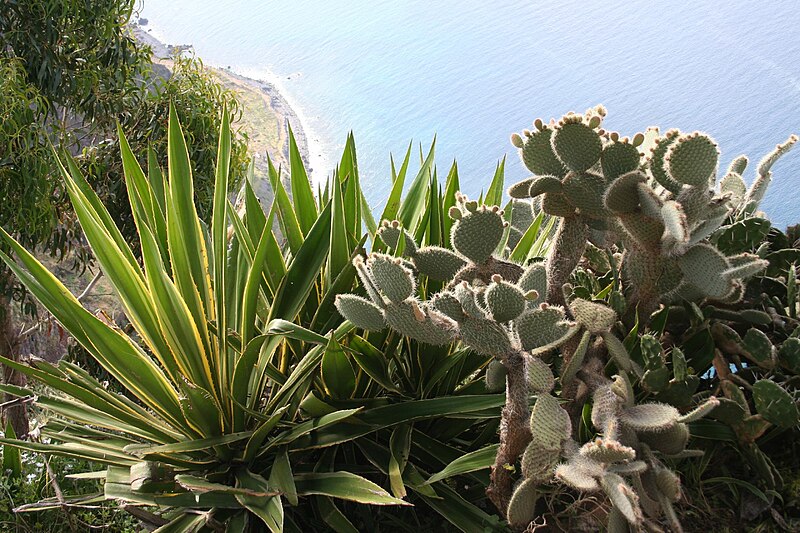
pixel 473 72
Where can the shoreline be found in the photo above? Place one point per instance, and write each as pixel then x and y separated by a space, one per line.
pixel 255 90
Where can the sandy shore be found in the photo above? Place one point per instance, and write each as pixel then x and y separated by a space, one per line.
pixel 266 115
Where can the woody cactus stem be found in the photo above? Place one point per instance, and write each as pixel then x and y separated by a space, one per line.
pixel 568 247
pixel 515 433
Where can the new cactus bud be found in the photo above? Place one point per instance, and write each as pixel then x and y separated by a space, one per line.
pixel 593 316
pixel 360 311
pixel 517 141
pixel 504 301
pixel 692 159
pixel 651 417
pixel 495 378
pixel 455 213
pixel 540 377
pixel 577 146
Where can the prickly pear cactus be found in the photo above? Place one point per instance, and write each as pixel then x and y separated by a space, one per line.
pixel 643 225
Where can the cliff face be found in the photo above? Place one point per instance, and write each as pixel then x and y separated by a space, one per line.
pixel 266 115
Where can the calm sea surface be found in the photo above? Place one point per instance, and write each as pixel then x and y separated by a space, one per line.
pixel 473 72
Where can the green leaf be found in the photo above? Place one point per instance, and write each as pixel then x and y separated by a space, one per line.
pixel 413 206
pixel 477 460
pixel 281 477
pixel 268 509
pixel 12 461
pixel 523 247
pixel 345 486
pixel 290 227
pixel 494 196
pixel 304 269
pixel 337 374
pixel 399 446
pixel 304 205
pixel 393 202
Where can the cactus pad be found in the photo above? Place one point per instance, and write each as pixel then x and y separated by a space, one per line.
pixel 485 336
pixel 534 279
pixel 550 423
pixel 577 145
pixel 619 158
pixel 622 497
pixel 775 404
pixel 650 417
pixel 495 376
pixel 537 154
pixel 438 263
pixel 391 276
pixel 477 234
pixel 543 329
pixel 671 442
pixel 573 475
pixel 593 316
pixel 692 159
pixel 424 325
pixel 585 191
pixel 540 377
pixel 522 506
pixel 360 311
pixel 607 451
pixel 390 232
pixel 703 266
pixel 504 301
pixel 622 195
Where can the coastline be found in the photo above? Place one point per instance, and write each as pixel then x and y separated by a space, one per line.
pixel 267 114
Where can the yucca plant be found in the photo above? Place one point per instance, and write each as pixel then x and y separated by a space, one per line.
pixel 208 432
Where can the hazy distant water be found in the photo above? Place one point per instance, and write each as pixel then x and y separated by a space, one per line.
pixel 475 71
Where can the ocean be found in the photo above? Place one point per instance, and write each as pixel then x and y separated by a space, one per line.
pixel 472 73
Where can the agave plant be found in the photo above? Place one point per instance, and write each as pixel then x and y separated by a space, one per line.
pixel 208 431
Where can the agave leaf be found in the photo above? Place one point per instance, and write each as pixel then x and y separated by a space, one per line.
pixel 345 486
pixel 477 460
